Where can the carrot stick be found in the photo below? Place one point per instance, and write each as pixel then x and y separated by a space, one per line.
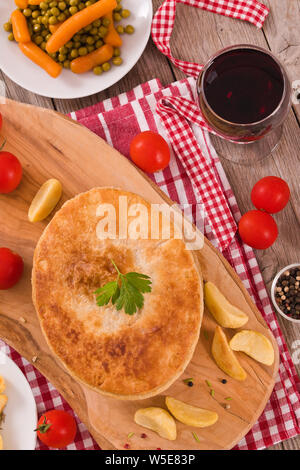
pixel 39 57
pixel 21 4
pixel 80 20
pixel 20 28
pixel 34 2
pixel 91 60
pixel 112 36
pixel 54 27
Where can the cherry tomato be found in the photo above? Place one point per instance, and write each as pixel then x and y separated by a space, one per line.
pixel 149 151
pixel 10 172
pixel 56 428
pixel 11 268
pixel 258 229
pixel 270 194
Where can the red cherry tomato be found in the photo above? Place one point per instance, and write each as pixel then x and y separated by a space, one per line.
pixel 56 428
pixel 149 151
pixel 10 172
pixel 258 229
pixel 11 268
pixel 270 194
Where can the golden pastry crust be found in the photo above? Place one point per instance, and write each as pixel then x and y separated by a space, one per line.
pixel 127 357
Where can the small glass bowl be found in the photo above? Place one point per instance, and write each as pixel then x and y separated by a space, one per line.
pixel 273 287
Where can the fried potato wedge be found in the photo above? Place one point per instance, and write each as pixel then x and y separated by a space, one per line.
pixel 2 384
pixel 255 345
pixel 3 401
pixel 158 420
pixel 191 415
pixel 45 200
pixel 225 357
pixel 226 314
pixel 1 443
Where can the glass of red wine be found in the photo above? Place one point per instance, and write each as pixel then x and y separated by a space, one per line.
pixel 244 95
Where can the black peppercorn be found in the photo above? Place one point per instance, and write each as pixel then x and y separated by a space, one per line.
pixel 190 383
pixel 224 381
pixel 287 293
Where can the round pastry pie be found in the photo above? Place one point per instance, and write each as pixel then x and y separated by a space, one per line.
pixel 126 356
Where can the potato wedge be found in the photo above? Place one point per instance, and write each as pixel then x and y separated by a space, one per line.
pixel 226 314
pixel 191 415
pixel 45 200
pixel 1 443
pixel 255 345
pixel 158 420
pixel 225 357
pixel 2 384
pixel 3 401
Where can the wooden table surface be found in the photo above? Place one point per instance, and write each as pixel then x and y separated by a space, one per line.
pixel 197 35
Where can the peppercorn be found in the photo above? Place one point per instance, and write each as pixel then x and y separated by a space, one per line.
pixel 224 381
pixel 190 383
pixel 287 293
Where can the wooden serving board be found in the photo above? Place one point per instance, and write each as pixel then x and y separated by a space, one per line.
pixel 51 145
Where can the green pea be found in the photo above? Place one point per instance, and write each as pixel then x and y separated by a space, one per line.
pixel 74 53
pixel 125 13
pixel 43 6
pixel 102 31
pixel 53 55
pixel 120 29
pixel 106 66
pixel 62 6
pixel 73 3
pixel 63 50
pixel 38 39
pixel 10 37
pixel 45 20
pixel 94 31
pixel 62 57
pixel 61 17
pixel 89 3
pixel 66 64
pixel 81 6
pixel 88 28
pixel 7 27
pixel 129 29
pixel 97 70
pixel 117 61
pixel 36 28
pixel 35 14
pixel 99 44
pixel 118 8
pixel 52 20
pixel 106 21
pixel 90 48
pixel 97 23
pixel 90 40
pixel 43 46
pixel 77 44
pixel 27 12
pixel 82 51
pixel 73 10
pixel 69 45
pixel 116 52
pixel 44 33
pixel 52 4
pixel 48 37
pixel 117 17
pixel 55 11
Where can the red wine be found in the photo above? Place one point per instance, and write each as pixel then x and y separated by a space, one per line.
pixel 243 86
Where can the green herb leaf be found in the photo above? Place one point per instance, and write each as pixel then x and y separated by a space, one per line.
pixel 130 435
pixel 228 398
pixel 208 383
pixel 126 292
pixel 186 381
pixel 196 437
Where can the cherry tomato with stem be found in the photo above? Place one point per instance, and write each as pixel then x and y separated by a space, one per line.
pixel 270 194
pixel 258 229
pixel 11 268
pixel 149 151
pixel 56 428
pixel 10 171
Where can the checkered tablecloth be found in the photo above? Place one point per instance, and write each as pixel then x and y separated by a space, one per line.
pixel 117 120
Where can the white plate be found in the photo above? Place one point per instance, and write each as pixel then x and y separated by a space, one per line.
pixel 68 85
pixel 20 412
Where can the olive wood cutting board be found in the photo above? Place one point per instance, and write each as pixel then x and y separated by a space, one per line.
pixel 51 145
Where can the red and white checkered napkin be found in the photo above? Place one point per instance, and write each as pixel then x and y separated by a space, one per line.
pixel 119 119
pixel 163 22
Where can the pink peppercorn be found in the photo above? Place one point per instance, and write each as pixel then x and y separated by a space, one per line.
pixel 143 436
pixel 126 446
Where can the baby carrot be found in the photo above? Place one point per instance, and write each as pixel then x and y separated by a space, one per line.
pixel 80 20
pixel 19 25
pixel 54 27
pixel 91 60
pixel 112 36
pixel 39 57
pixel 34 2
pixel 21 4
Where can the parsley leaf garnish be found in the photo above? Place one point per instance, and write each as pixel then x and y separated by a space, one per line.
pixel 126 292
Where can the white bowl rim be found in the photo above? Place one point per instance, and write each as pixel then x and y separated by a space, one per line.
pixel 290 266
